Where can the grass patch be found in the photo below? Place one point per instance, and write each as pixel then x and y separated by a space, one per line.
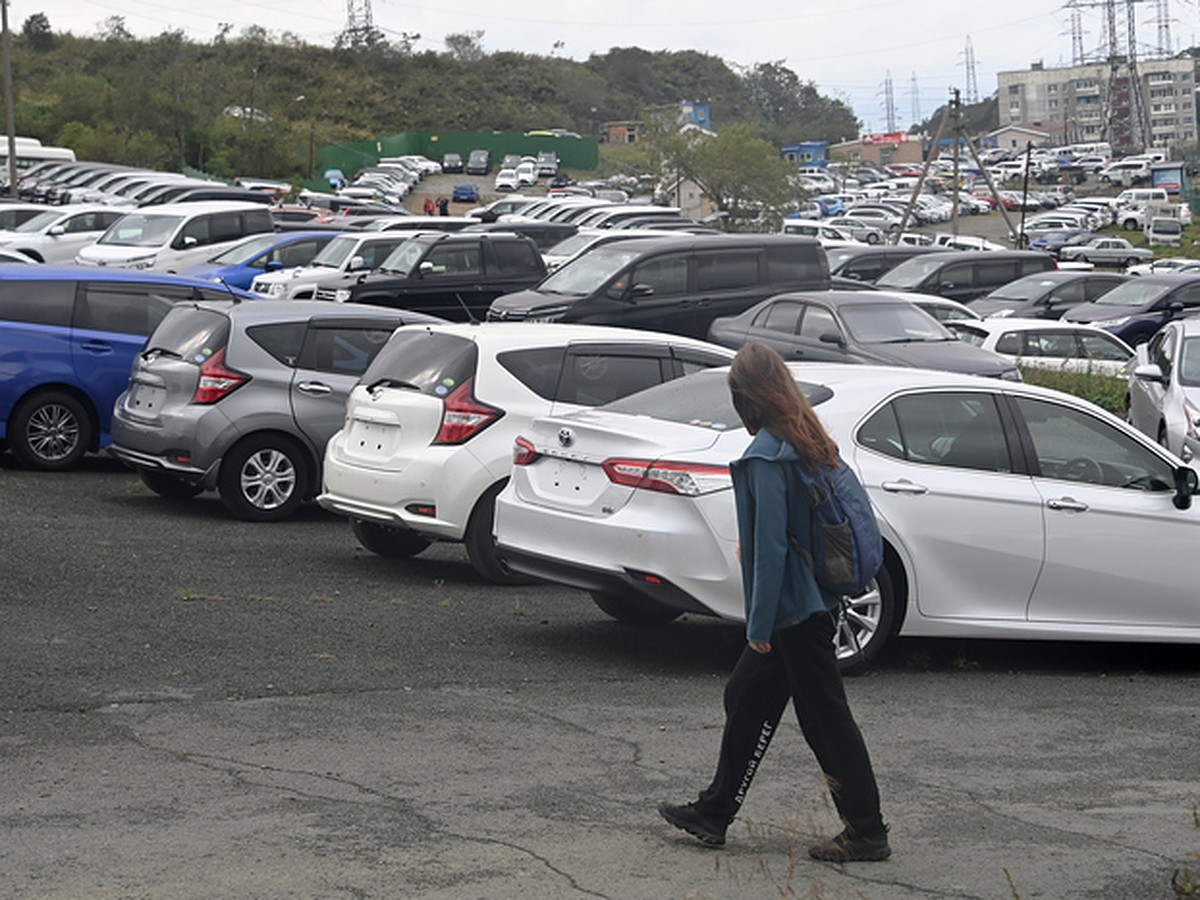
pixel 1105 391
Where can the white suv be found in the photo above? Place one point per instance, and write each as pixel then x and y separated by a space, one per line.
pixel 346 255
pixel 427 441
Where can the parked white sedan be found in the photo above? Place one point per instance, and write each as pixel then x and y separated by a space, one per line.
pixel 1008 510
pixel 1050 344
pixel 1164 388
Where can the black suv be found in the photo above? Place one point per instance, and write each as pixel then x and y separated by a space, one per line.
pixel 454 276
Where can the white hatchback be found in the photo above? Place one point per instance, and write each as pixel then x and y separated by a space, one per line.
pixel 56 235
pixel 1007 510
pixel 1164 388
pixel 427 441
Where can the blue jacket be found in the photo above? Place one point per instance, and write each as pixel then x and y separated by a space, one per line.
pixel 771 501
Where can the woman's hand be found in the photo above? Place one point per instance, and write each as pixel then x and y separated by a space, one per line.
pixel 760 646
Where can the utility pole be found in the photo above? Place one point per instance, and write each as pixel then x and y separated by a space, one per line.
pixel 9 122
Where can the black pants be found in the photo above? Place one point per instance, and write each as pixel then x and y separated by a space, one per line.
pixel 801 666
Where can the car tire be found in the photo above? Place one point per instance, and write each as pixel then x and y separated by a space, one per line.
pixel 387 540
pixel 872 237
pixel 172 487
pixel 1130 225
pixel 1132 261
pixel 50 431
pixel 264 478
pixel 638 611
pixel 481 543
pixel 866 625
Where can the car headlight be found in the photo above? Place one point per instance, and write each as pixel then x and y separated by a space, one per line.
pixel 341 295
pixel 276 289
pixel 1113 323
pixel 141 262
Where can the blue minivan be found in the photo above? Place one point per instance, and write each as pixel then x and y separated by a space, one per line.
pixel 68 339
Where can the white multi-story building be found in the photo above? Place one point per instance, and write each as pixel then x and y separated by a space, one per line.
pixel 1100 102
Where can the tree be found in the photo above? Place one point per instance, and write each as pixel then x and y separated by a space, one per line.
pixel 466 47
pixel 37 34
pixel 792 110
pixel 740 172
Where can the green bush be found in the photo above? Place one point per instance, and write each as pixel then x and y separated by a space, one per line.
pixel 1105 391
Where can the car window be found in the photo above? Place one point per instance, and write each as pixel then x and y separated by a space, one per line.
pixel 781 316
pixel 957 274
pixel 126 308
pixel 282 340
pixel 1011 343
pixel 430 362
pixel 538 368
pixel 726 271
pixel 962 430
pixel 999 271
pixel 515 256
pixel 1188 296
pixel 454 260
pixel 344 349
pixel 1054 344
pixel 817 321
pixel 1068 293
pixel 37 302
pixel 693 361
pixel 591 379
pixel 1102 346
pixel 1189 362
pixel 297 253
pixel 666 274
pixel 1072 445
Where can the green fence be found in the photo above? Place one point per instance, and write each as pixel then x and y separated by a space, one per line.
pixel 573 153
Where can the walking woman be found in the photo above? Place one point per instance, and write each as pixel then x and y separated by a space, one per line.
pixel 790 624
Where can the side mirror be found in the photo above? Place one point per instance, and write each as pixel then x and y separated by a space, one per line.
pixel 274 266
pixel 189 241
pixel 1186 481
pixel 425 268
pixel 56 231
pixel 831 337
pixel 634 293
pixel 1149 372
pixel 356 263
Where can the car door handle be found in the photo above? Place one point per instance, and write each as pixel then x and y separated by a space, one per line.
pixel 1070 504
pixel 315 388
pixel 100 347
pixel 904 486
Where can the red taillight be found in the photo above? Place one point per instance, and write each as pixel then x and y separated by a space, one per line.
pixel 687 479
pixel 523 452
pixel 463 416
pixel 216 381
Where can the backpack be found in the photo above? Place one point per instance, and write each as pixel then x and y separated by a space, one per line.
pixel 847 549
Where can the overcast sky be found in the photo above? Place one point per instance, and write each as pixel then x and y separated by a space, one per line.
pixel 848 47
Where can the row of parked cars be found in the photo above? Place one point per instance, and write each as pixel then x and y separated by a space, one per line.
pixel 597 456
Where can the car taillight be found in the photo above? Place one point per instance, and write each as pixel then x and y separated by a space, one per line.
pixel 687 479
pixel 523 452
pixel 217 381
pixel 463 416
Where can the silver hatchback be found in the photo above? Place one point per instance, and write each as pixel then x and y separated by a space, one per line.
pixel 241 398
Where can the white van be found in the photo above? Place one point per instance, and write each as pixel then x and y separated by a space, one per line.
pixel 1142 197
pixel 174 237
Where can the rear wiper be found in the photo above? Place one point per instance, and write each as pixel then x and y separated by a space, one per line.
pixel 161 351
pixel 392 383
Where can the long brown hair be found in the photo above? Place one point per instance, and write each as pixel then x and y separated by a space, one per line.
pixel 765 395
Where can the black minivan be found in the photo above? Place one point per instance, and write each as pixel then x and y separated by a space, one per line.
pixel 963 275
pixel 672 284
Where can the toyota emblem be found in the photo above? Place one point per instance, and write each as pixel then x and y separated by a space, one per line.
pixel 566 437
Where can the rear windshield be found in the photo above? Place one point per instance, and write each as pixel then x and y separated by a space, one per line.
pixel 701 399
pixel 192 333
pixel 423 360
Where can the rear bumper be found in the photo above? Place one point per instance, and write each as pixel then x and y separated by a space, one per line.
pixel 138 460
pixel 603 581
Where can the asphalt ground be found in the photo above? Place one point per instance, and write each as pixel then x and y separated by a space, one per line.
pixel 194 707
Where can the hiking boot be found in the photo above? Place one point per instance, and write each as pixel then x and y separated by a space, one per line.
pixel 709 832
pixel 846 847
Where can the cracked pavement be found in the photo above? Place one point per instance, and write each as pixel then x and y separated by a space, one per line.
pixel 192 707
